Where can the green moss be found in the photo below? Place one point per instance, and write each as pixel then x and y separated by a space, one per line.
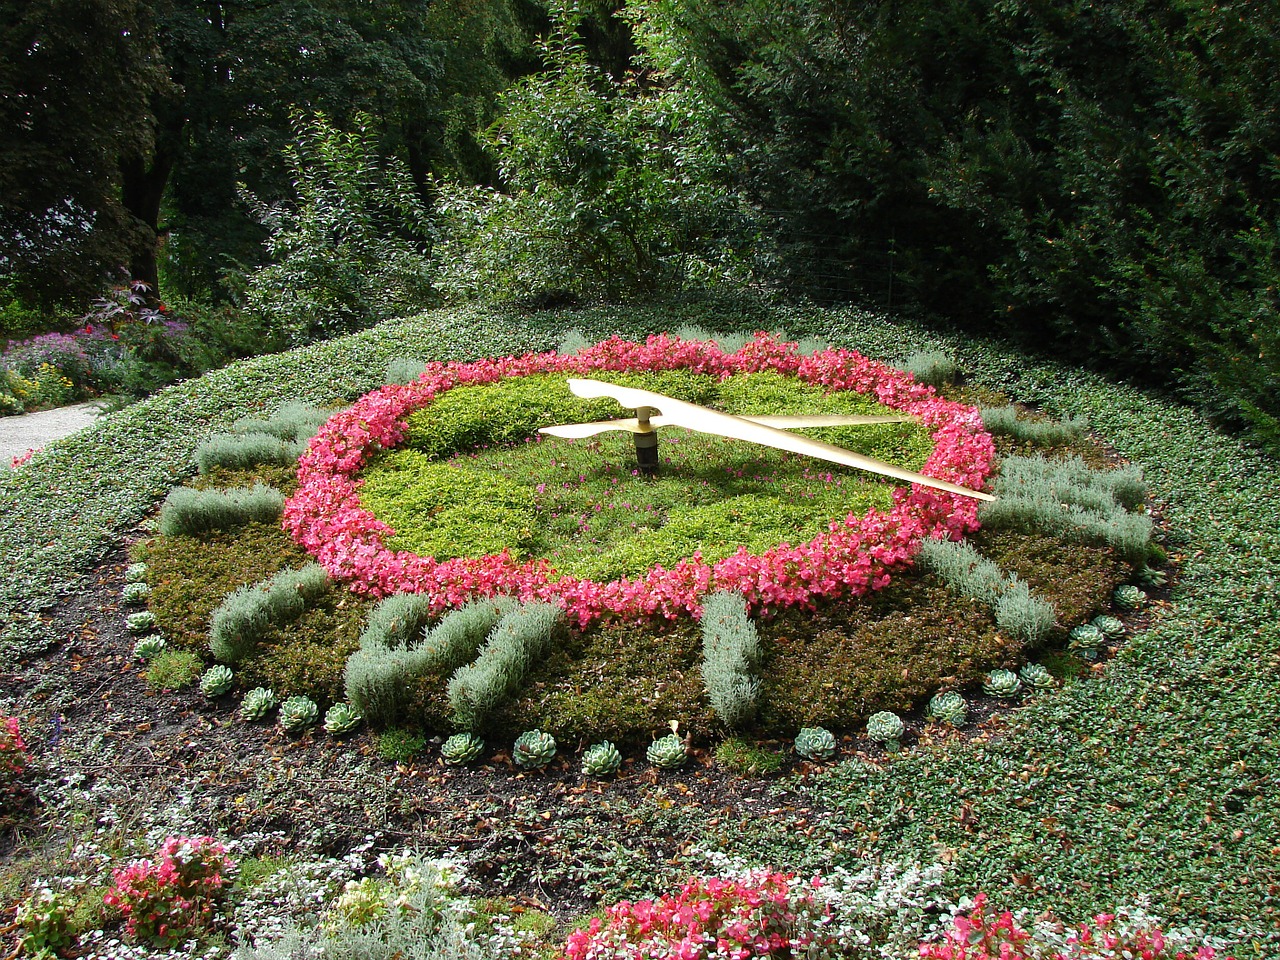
pixel 400 744
pixel 836 666
pixel 746 758
pixel 173 670
pixel 190 576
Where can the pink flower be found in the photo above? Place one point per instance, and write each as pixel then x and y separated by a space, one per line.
pixel 855 556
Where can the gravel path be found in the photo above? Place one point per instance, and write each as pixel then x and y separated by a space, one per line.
pixel 31 431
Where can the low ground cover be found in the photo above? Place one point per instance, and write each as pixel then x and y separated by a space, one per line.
pixel 1149 777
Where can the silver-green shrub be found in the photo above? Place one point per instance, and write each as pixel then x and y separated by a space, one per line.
pixel 233 451
pixel 667 753
pixel 968 573
pixel 815 743
pixel 533 749
pixel 601 760
pixel 187 512
pixel 246 614
pixel 404 370
pixel 1047 433
pixel 293 421
pixel 730 653
pixel 571 342
pixel 932 367
pixel 514 645
pixel 378 676
pixel 1068 498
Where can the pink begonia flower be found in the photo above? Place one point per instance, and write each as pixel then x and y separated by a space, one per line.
pixel 856 555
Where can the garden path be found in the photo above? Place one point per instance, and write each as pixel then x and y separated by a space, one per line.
pixel 31 431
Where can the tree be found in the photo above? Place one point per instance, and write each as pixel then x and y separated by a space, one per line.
pixel 77 82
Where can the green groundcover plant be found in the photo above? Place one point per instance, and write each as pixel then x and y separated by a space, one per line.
pixel 1150 779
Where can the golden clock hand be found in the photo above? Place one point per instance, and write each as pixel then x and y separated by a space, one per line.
pixel 693 417
pixel 577 431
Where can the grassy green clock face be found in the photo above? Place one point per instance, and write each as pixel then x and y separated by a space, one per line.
pixel 474 477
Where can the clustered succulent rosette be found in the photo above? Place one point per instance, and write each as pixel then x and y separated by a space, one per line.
pixel 533 749
pixel 1085 640
pixel 341 719
pixel 140 622
pixel 1002 683
pixel 667 753
pixel 299 713
pixel 815 743
pixel 949 708
pixel 1111 627
pixel 461 748
pixel 149 647
pixel 1150 577
pixel 135 573
pixel 1128 597
pixel 216 680
pixel 257 703
pixel 601 760
pixel 1037 677
pixel 851 558
pixel 886 728
pixel 135 594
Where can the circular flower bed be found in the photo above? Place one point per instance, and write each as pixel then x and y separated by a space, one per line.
pixel 854 556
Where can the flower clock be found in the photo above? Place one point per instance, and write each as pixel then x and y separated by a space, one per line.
pixel 445 487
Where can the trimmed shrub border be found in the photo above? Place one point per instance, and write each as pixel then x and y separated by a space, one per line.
pixel 855 556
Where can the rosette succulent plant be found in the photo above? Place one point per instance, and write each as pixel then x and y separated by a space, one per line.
pixel 1001 683
pixel 298 713
pixel 341 719
pixel 148 648
pixel 216 680
pixel 461 748
pixel 140 622
pixel 1111 627
pixel 135 573
pixel 815 743
pixel 257 703
pixel 601 760
pixel 1150 577
pixel 886 728
pixel 949 707
pixel 667 753
pixel 1037 677
pixel 134 594
pixel 1128 597
pixel 1085 640
pixel 534 748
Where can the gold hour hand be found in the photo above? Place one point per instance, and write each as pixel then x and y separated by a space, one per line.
pixel 693 417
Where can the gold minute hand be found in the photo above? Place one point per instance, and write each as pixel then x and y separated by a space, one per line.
pixel 681 413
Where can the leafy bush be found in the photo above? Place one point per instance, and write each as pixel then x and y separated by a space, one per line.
pixel 187 512
pixel 173 899
pixel 356 247
pixel 730 654
pixel 243 618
